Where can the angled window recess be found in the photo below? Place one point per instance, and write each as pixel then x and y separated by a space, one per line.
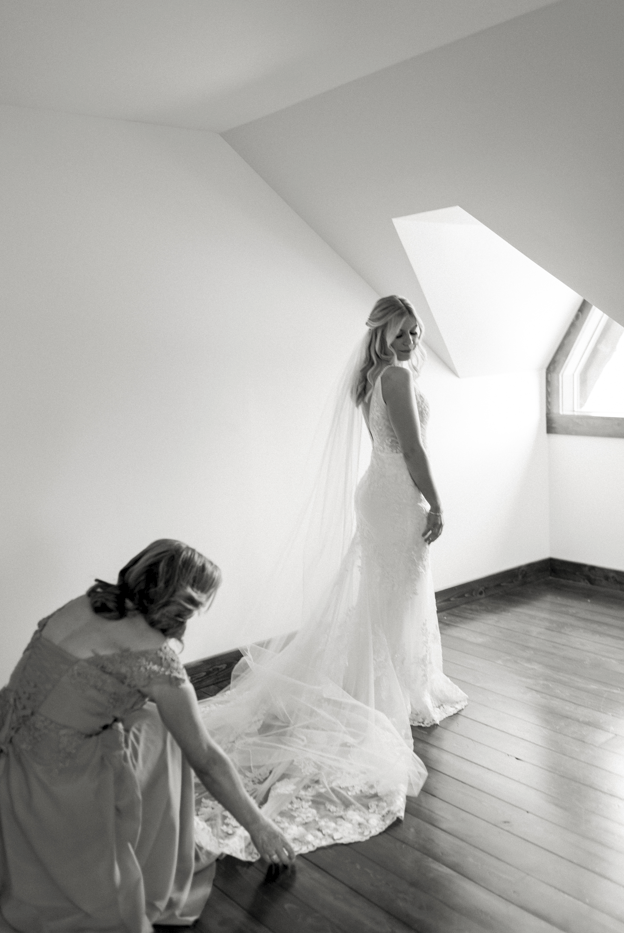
pixel 585 378
pixel 487 308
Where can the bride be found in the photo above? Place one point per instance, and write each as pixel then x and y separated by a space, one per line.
pixel 318 722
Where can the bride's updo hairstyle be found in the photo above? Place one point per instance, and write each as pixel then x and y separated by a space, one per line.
pixel 384 323
pixel 166 583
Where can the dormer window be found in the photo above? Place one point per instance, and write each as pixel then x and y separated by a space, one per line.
pixel 585 378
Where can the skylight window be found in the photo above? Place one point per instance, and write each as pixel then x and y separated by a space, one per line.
pixel 585 379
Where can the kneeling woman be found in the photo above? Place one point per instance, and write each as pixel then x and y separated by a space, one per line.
pixel 99 731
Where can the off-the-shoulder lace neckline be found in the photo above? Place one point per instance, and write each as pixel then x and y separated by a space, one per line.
pixel 103 654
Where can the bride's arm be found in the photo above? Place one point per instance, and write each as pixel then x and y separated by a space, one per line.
pixel 179 711
pixel 398 394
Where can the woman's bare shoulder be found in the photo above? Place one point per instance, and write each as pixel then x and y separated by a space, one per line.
pixel 79 630
pixel 138 635
pixel 395 376
pixel 396 383
pixel 69 616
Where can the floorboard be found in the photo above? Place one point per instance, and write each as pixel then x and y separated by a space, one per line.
pixel 520 825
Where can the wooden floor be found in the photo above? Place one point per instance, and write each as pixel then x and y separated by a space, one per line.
pixel 520 825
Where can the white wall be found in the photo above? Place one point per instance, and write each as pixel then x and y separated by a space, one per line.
pixel 587 499
pixel 168 325
pixel 488 447
pixel 170 331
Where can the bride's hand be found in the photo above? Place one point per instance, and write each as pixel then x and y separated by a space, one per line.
pixel 271 843
pixel 433 527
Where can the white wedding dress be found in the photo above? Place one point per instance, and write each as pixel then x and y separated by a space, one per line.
pixel 320 729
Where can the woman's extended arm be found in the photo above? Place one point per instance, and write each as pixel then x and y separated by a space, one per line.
pixel 398 394
pixel 179 711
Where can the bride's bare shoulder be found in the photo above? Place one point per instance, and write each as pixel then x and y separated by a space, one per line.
pixel 395 376
pixel 396 383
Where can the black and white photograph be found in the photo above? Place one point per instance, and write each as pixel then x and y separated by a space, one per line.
pixel 312 466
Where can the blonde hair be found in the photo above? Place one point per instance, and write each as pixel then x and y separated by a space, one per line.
pixel 166 582
pixel 384 322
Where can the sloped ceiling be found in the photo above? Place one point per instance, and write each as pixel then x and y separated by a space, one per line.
pixel 496 310
pixel 214 64
pixel 521 125
pixel 362 114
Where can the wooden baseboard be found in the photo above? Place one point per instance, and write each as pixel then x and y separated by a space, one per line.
pixel 495 583
pixel 210 675
pixel 597 577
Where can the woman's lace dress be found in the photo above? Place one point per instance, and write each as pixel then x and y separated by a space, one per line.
pixel 96 800
pixel 320 730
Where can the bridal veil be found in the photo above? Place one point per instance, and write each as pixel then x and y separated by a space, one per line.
pixel 326 766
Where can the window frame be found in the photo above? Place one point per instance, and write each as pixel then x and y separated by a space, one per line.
pixel 559 422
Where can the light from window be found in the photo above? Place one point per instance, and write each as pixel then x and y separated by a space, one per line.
pixel 592 378
pixel 607 396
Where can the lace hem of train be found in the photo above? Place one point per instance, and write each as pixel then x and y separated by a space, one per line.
pixel 310 814
pixel 440 712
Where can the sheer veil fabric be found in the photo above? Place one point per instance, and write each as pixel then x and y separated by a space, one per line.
pixel 318 722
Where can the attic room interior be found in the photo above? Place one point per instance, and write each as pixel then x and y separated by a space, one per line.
pixel 202 200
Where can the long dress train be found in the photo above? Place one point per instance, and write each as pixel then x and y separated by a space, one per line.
pixel 320 730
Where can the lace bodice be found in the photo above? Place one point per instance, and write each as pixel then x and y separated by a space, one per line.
pixel 55 703
pixel 384 437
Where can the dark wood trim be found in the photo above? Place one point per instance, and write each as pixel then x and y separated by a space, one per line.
pixel 584 425
pixel 495 583
pixel 598 577
pixel 211 675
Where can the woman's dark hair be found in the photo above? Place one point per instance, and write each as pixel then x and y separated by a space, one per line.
pixel 166 583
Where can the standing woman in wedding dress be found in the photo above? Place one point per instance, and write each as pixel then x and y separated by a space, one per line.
pixel 398 516
pixel 318 723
